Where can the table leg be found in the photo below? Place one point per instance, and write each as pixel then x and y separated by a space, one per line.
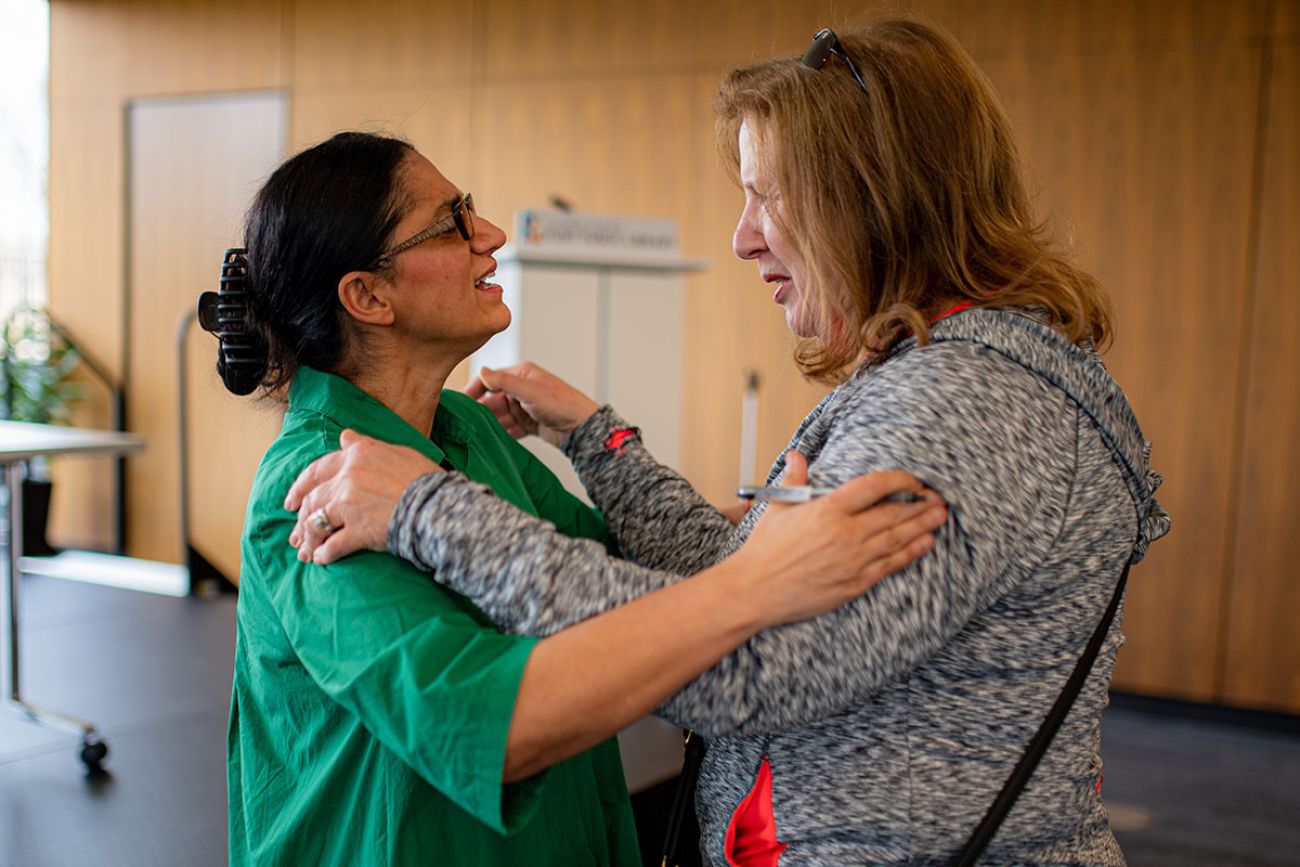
pixel 13 551
pixel 93 750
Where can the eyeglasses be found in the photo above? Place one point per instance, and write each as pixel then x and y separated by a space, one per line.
pixel 461 219
pixel 825 43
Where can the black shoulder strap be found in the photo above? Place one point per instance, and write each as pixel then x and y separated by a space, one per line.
pixel 683 796
pixel 1024 769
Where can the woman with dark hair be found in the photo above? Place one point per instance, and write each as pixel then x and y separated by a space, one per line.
pixel 378 718
pixel 884 202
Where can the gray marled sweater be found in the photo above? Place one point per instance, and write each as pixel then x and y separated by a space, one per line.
pixel 891 723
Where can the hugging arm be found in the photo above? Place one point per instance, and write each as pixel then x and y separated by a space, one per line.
pixel 523 573
pixel 800 672
pixel 627 666
pixel 533 580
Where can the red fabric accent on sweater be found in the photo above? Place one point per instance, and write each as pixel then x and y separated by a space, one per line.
pixel 751 834
pixel 619 436
pixel 965 305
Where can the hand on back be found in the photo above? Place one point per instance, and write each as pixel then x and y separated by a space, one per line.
pixel 357 487
pixel 808 559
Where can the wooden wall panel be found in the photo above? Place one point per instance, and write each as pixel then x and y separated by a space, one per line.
pixel 85 273
pixel 434 118
pixel 609 146
pixel 88 75
pixel 1132 178
pixel 90 55
pixel 1262 662
pixel 232 45
pixel 1286 21
pixel 395 42
pixel 1045 27
pixel 227 437
pixel 556 39
pixel 103 52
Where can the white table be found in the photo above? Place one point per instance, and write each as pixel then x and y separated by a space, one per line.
pixel 20 442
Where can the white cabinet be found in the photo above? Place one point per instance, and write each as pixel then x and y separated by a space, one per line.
pixel 610 324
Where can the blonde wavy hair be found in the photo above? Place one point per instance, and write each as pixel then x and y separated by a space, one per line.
pixel 904 200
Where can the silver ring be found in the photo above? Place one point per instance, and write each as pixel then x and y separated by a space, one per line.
pixel 321 521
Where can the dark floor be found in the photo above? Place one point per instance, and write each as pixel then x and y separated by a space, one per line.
pixel 1183 791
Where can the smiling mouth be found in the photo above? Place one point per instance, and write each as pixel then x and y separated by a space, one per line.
pixel 482 282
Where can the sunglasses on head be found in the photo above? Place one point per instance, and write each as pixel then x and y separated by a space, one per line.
pixel 824 44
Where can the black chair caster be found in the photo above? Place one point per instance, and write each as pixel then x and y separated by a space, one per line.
pixel 93 753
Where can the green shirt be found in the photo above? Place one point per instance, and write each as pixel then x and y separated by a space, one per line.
pixel 371 706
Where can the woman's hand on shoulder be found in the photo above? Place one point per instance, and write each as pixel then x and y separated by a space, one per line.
pixel 528 399
pixel 345 499
pixel 804 560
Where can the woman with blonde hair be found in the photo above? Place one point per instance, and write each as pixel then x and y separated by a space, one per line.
pixel 884 202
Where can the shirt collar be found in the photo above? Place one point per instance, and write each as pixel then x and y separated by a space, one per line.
pixel 348 406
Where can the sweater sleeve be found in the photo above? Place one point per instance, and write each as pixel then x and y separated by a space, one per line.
pixel 523 573
pixel 994 441
pixel 656 517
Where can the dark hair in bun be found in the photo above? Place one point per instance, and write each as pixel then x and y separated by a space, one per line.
pixel 324 212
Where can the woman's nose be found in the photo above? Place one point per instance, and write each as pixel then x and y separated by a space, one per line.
pixel 747 242
pixel 488 236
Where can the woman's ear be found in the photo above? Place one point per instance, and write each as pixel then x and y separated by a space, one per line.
pixel 365 298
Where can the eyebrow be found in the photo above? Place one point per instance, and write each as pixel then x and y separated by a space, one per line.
pixel 445 205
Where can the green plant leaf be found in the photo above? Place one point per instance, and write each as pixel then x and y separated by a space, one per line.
pixel 35 366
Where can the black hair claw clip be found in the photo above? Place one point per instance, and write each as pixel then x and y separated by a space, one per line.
pixel 225 312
